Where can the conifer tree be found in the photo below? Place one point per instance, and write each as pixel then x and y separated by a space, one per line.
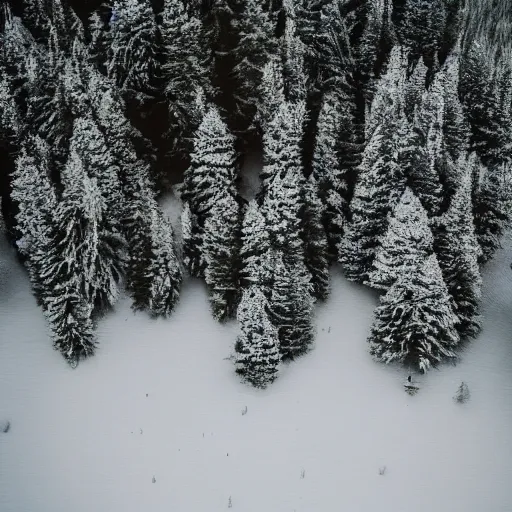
pixel 423 28
pixel 458 253
pixel 255 244
pixel 100 41
pixel 291 307
pixel 487 120
pixel 419 157
pixel 212 173
pixel 186 70
pixel 293 52
pixel 327 170
pixel 376 40
pixel 315 240
pixel 36 16
pixel 414 323
pixel 414 89
pixel 271 93
pixel 491 207
pixel 257 347
pixel 36 202
pixel 221 253
pixel 254 48
pixel 133 55
pixel 405 246
pixel 378 189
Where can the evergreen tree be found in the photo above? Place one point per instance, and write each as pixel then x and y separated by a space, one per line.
pixel 255 244
pixel 414 89
pixel 212 173
pixel 133 61
pixel 379 187
pixel 36 201
pixel 186 70
pixel 100 41
pixel 291 307
pixel 458 252
pixel 221 256
pixel 254 48
pixel 423 28
pixel 376 40
pixel 36 16
pixel 419 156
pixel 406 245
pixel 491 207
pixel 487 120
pixel 415 323
pixel 271 93
pixel 163 267
pixel 315 240
pixel 257 346
pixel 293 52
pixel 327 170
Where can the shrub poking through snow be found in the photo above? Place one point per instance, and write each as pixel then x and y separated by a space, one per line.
pixel 463 394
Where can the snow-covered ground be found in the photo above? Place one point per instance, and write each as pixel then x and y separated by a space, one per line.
pixel 161 400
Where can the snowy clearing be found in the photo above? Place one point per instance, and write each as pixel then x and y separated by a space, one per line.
pixel 159 421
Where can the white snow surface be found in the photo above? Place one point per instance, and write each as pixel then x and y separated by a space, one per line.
pixel 160 402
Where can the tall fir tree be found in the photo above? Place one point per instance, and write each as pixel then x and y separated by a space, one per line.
pixel 257 347
pixel 458 252
pixel 378 189
pixel 491 207
pixel 254 48
pixel 212 173
pixel 316 252
pixel 133 59
pixel 405 246
pixel 186 70
pixel 328 172
pixel 221 253
pixel 414 323
pixel 291 307
pixel 255 245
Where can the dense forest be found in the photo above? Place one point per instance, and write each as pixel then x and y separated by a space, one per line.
pixel 386 133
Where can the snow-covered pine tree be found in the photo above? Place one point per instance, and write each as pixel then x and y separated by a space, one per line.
pixel 456 130
pixel 293 54
pixel 378 189
pixel 164 267
pixel 253 50
pixel 212 173
pixel 221 254
pixel 36 202
pixel 283 209
pixel 255 244
pixel 414 323
pixel 133 61
pixel 186 70
pixel 489 130
pixel 419 157
pixel 405 246
pixel 36 16
pixel 76 273
pixel 414 89
pixel 271 93
pixel 88 236
pixel 316 252
pixel 327 171
pixel 257 347
pixel 423 28
pixel 389 91
pixel 291 306
pixel 458 252
pixel 491 207
pixel 100 40
pixel 376 40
